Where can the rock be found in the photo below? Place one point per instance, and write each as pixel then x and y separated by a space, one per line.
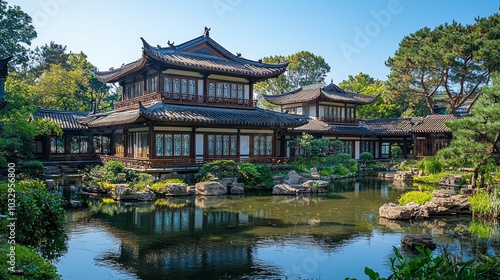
pixel 74 203
pixel 420 173
pixel 121 176
pixel 333 177
pixel 326 178
pixel 169 176
pixel 411 241
pixel 468 191
pixel 443 193
pixel 277 179
pixel 315 174
pixel 284 189
pixel 237 190
pixel 293 178
pixel 451 180
pixel 403 176
pixel 51 184
pixel 386 175
pixel 175 189
pixel 210 188
pixel 228 182
pixel 414 171
pixel 410 211
pixel 122 192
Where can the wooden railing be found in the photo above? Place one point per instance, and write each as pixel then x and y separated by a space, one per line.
pixel 212 100
pixel 133 103
pixel 337 120
pixel 144 164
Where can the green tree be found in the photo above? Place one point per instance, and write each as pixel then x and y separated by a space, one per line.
pixel 448 64
pixel 304 68
pixel 19 131
pixel 476 140
pixel 311 146
pixel 43 57
pixel 16 31
pixel 70 85
pixel 364 84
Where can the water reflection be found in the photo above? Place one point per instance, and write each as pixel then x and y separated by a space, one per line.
pixel 334 235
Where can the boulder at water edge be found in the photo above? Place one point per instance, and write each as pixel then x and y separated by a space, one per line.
pixel 412 241
pixel 284 189
pixel 210 188
pixel 175 189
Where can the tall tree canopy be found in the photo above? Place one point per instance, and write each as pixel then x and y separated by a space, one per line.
pixel 304 68
pixel 65 81
pixel 476 140
pixel 449 64
pixel 16 31
pixel 364 84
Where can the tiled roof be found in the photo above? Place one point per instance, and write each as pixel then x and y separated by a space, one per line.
pixel 68 120
pixel 391 126
pixel 182 57
pixel 434 124
pixel 113 118
pixel 170 113
pixel 329 92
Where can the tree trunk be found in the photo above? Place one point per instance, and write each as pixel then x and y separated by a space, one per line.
pixel 474 177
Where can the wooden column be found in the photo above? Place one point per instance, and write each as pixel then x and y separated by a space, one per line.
pixel 192 145
pixel 125 142
pixel 152 142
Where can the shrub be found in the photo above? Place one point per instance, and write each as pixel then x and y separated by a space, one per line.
pixel 255 176
pixel 430 165
pixel 159 187
pixel 486 205
pixel 415 196
pixel 217 168
pixel 396 152
pixel 366 157
pixel 32 264
pixel 353 169
pixel 40 214
pixel 427 266
pixel 32 169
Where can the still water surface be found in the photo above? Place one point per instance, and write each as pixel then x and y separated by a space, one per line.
pixel 255 236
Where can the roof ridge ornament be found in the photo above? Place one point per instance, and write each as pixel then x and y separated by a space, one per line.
pixel 206 33
pixel 171 44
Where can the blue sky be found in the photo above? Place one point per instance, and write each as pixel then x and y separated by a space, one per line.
pixel 353 36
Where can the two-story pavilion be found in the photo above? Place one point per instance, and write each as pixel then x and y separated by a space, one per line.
pixel 332 113
pixel 188 103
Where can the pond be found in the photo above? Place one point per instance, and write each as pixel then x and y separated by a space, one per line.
pixel 255 236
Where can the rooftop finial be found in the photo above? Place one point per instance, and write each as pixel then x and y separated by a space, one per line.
pixel 206 33
pixel 238 54
pixel 171 44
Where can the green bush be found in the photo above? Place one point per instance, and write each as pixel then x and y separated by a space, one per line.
pixel 255 176
pixel 486 204
pixel 33 265
pixel 396 152
pixel 40 214
pixel 32 169
pixel 430 165
pixel 427 266
pixel 415 196
pixel 216 169
pixel 366 157
pixel 159 187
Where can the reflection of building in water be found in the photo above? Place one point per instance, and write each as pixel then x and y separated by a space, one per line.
pixel 185 240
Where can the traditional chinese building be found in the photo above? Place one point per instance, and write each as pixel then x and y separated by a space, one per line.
pixel 188 103
pixel 332 113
